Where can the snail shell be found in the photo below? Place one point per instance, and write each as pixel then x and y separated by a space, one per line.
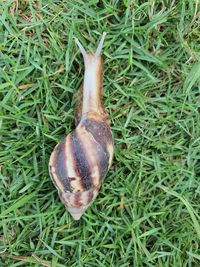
pixel 80 161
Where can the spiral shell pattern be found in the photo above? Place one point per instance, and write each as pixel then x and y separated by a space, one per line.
pixel 78 163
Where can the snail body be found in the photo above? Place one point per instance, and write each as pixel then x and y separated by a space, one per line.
pixel 79 163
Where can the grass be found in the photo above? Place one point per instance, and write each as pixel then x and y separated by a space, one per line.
pixel 147 212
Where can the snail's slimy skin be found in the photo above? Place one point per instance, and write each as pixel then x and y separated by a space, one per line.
pixel 80 162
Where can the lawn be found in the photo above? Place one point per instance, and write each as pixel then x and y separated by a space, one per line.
pixel 147 213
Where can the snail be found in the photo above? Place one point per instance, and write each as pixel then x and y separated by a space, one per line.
pixel 81 160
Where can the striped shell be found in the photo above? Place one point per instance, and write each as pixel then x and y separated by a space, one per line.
pixel 78 164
